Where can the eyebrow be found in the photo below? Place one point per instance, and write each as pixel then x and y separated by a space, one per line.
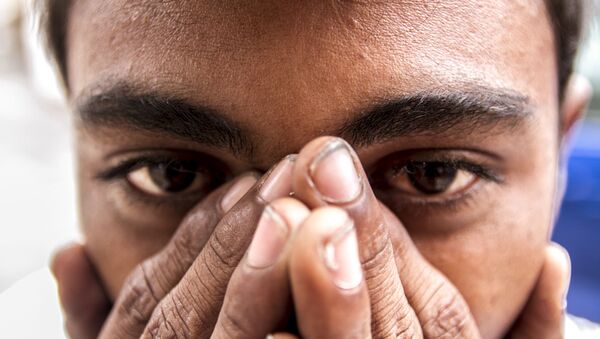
pixel 477 110
pixel 431 112
pixel 122 105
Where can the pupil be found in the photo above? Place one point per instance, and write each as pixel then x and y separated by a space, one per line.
pixel 432 177
pixel 172 177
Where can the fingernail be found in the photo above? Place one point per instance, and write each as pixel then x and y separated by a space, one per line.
pixel 334 175
pixel 269 239
pixel 278 183
pixel 342 259
pixel 236 192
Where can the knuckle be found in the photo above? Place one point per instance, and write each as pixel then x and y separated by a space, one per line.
pixel 407 330
pixel 170 320
pixel 193 235
pixel 376 248
pixel 396 320
pixel 198 303
pixel 184 252
pixel 138 298
pixel 209 280
pixel 448 316
pixel 404 326
pixel 377 264
pixel 224 250
pixel 187 311
pixel 392 316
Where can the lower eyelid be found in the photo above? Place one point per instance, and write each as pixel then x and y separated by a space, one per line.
pixel 451 203
pixel 135 197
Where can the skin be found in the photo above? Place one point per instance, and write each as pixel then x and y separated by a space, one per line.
pixel 287 73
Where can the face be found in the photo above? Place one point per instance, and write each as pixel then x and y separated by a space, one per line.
pixel 452 108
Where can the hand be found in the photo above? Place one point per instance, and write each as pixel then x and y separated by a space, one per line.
pixel 407 296
pixel 354 271
pixel 181 288
pixel 349 276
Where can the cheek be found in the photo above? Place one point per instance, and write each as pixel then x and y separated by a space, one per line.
pixel 495 261
pixel 118 234
pixel 114 247
pixel 493 272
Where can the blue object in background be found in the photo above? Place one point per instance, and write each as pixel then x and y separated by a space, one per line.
pixel 578 227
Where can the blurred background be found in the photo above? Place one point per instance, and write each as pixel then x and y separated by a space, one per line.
pixel 37 198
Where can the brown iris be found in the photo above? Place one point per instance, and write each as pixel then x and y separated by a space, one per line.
pixel 173 177
pixel 431 177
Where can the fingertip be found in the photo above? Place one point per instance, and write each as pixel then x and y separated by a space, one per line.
pixel 545 311
pixel 319 182
pixel 291 210
pixel 558 261
pixel 330 231
pixel 64 257
pixel 559 255
pixel 326 220
pixel 330 294
pixel 281 336
pixel 81 294
pixel 237 190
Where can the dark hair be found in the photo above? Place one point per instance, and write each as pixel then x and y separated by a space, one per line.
pixel 566 17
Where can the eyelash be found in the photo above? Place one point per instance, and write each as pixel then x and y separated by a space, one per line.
pixel 451 203
pixel 118 174
pixel 458 164
pixel 120 171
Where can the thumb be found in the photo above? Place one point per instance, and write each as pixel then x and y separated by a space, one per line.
pixel 83 299
pixel 543 315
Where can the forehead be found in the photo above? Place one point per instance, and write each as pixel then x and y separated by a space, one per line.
pixel 285 61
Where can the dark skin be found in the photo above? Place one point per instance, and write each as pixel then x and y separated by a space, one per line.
pixel 458 90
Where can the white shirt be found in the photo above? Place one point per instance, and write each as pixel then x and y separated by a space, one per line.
pixel 30 309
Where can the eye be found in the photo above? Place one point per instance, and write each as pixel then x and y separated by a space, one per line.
pixel 431 178
pixel 167 178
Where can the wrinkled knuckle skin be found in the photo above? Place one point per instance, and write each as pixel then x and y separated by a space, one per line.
pixel 138 300
pixel 392 317
pixel 406 327
pixel 169 322
pixel 225 250
pixel 450 316
pixel 185 251
pixel 195 232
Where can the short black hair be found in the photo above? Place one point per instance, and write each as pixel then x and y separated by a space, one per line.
pixel 566 17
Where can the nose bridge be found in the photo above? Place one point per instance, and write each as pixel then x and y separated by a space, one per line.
pixel 276 138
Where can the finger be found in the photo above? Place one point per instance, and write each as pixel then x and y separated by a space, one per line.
pixel 543 315
pixel 192 307
pixel 440 308
pixel 328 172
pixel 155 277
pixel 282 336
pixel 328 289
pixel 258 295
pixel 83 299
